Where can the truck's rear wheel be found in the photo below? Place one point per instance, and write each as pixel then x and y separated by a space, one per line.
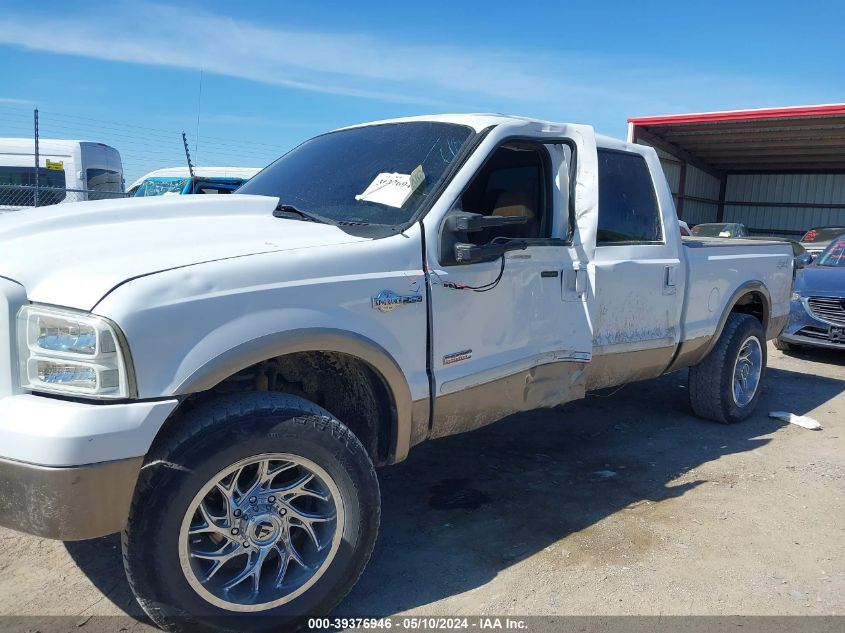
pixel 260 511
pixel 727 384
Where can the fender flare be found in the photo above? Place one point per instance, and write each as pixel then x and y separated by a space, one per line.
pixel 269 346
pixel 748 287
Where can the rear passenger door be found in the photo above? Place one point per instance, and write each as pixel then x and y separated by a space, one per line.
pixel 637 275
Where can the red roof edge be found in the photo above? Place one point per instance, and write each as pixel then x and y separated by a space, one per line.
pixel 742 115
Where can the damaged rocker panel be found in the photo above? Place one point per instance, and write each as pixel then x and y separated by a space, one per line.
pixel 613 369
pixel 542 386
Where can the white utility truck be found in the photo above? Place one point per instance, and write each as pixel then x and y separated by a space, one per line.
pixel 216 377
pixel 68 171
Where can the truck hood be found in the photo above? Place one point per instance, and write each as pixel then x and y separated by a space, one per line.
pixel 73 254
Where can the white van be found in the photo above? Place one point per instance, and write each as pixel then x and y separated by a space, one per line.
pixel 177 180
pixel 69 171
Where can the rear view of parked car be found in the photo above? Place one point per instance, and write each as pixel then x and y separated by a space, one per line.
pixel 720 229
pixel 819 238
pixel 817 314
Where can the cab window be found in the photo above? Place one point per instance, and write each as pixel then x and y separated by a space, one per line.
pixel 628 210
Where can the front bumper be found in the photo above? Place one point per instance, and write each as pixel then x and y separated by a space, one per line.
pixel 804 328
pixel 71 503
pixel 68 469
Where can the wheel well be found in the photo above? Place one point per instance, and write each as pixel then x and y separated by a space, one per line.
pixel 347 387
pixel 755 304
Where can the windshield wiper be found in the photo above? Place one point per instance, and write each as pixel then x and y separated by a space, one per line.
pixel 289 211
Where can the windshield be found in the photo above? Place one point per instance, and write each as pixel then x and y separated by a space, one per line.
pixel 833 255
pixel 822 235
pixel 160 186
pixel 714 230
pixel 378 174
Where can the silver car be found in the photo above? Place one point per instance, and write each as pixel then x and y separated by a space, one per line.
pixel 817 239
pixel 720 229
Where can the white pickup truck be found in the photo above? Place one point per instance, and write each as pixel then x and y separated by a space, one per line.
pixel 216 377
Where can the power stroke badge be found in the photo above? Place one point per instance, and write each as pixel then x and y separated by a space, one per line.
pixel 457 357
pixel 387 300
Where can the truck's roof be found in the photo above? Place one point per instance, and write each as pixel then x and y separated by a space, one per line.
pixel 481 121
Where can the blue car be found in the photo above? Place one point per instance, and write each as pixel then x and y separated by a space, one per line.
pixel 178 181
pixel 817 313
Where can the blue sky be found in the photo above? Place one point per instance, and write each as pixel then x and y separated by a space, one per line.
pixel 273 74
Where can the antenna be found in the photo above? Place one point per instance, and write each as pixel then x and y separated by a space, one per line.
pixel 188 154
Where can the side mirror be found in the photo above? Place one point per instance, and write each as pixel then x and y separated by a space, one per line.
pixel 463 222
pixel 454 237
pixel 473 253
pixel 803 260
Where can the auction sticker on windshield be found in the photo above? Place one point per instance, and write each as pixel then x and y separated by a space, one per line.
pixel 393 189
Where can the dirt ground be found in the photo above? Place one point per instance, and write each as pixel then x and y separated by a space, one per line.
pixel 623 503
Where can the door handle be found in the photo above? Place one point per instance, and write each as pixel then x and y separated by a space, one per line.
pixel 575 283
pixel 549 273
pixel 670 279
pixel 581 281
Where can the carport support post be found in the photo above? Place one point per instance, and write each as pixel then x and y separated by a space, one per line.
pixel 682 189
pixel 37 171
pixel 720 211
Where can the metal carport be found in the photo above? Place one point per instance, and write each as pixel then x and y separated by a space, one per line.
pixel 779 171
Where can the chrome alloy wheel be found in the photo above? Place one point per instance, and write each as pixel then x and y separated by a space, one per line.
pixel 261 532
pixel 747 371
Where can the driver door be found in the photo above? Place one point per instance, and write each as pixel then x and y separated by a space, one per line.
pixel 514 333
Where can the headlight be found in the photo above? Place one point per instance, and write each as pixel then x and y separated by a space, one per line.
pixel 73 353
pixel 796 297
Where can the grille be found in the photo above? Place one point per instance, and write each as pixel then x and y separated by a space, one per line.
pixel 831 309
pixel 818 334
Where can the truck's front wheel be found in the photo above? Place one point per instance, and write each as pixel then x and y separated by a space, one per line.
pixel 261 510
pixel 727 384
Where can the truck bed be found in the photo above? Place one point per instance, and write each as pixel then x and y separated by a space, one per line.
pixel 718 267
pixel 713 242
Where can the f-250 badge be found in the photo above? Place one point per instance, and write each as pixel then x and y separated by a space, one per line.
pixel 387 300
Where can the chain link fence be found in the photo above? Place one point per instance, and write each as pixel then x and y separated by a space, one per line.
pixel 16 197
pixel 116 155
